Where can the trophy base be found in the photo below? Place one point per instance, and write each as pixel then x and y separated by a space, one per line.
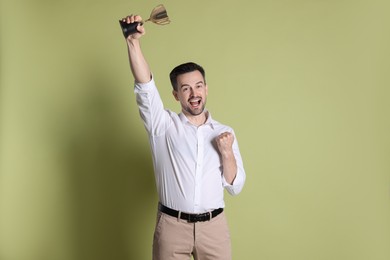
pixel 129 28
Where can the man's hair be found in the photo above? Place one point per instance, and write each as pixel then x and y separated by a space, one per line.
pixel 185 68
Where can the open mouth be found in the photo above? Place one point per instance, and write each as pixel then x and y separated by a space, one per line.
pixel 195 102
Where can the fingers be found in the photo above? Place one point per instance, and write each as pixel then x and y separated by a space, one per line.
pixel 139 30
pixel 225 144
pixel 225 138
pixel 132 18
pixel 135 19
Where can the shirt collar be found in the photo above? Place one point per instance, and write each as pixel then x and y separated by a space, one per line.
pixel 209 121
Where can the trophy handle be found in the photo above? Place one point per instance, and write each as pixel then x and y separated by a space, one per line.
pixel 129 28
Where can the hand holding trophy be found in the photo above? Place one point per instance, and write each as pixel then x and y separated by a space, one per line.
pixel 158 15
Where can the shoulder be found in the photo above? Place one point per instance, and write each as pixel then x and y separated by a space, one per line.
pixel 218 126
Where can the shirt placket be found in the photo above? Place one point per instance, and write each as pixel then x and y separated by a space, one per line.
pixel 199 169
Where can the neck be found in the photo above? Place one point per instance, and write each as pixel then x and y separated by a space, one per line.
pixel 197 120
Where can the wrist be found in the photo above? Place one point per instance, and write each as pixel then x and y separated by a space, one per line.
pixel 227 155
pixel 132 42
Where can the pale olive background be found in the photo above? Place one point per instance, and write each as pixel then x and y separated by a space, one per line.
pixel 304 83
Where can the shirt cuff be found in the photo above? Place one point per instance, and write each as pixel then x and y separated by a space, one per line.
pixel 237 184
pixel 144 87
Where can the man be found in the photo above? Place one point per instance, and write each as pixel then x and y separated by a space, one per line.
pixel 194 157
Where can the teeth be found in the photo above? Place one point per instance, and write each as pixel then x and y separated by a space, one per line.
pixel 195 102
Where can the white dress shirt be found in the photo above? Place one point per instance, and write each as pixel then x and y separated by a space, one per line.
pixel 187 164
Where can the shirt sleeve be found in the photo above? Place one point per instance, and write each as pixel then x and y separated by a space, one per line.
pixel 238 183
pixel 156 119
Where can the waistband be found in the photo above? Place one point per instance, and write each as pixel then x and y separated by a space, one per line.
pixel 191 218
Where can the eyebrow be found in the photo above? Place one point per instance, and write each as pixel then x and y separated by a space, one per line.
pixel 187 85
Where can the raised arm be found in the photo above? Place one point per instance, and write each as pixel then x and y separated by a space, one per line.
pixel 139 66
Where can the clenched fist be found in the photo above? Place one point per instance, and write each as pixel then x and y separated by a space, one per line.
pixel 225 143
pixel 140 30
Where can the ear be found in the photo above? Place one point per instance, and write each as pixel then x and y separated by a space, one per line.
pixel 207 90
pixel 174 93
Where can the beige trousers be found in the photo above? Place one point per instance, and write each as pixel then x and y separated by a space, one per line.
pixel 176 239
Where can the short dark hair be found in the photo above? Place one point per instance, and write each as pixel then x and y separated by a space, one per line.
pixel 185 68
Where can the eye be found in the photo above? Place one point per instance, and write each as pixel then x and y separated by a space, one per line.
pixel 184 89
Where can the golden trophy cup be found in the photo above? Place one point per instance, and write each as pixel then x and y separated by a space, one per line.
pixel 158 16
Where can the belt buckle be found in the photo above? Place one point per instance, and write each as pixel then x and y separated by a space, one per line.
pixel 193 218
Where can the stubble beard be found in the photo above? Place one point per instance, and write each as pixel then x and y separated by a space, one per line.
pixel 195 112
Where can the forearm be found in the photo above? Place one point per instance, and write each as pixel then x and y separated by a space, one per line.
pixel 232 166
pixel 229 166
pixel 139 66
